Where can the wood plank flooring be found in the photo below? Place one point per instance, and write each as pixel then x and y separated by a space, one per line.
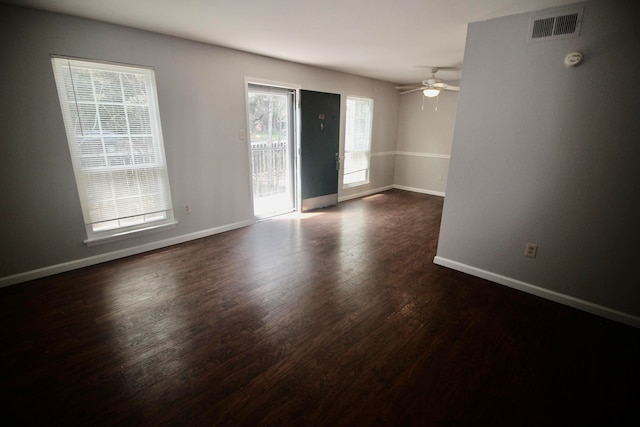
pixel 333 318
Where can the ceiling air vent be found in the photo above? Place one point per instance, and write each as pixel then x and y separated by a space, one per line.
pixel 557 26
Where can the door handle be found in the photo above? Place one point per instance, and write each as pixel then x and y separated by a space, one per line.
pixel 337 162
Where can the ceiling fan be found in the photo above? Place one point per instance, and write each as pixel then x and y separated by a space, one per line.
pixel 430 87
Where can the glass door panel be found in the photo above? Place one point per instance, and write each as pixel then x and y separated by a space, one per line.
pixel 271 140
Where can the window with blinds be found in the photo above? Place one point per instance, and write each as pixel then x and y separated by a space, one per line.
pixel 357 150
pixel 113 128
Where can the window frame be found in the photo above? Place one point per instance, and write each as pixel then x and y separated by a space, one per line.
pixel 349 148
pixel 138 184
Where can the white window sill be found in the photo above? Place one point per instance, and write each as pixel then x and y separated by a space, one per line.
pixel 129 234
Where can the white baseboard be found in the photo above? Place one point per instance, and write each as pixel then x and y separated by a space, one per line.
pixel 419 190
pixel 364 193
pixel 110 256
pixel 389 187
pixel 568 300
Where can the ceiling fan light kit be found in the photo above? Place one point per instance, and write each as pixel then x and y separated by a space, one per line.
pixel 430 88
pixel 431 93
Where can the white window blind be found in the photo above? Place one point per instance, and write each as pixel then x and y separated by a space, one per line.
pixel 113 128
pixel 357 149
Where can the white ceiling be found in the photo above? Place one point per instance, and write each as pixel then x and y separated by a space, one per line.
pixel 391 40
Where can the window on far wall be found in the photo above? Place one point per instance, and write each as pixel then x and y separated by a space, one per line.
pixel 113 128
pixel 357 149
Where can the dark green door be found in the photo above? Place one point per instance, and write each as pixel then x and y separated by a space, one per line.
pixel 319 148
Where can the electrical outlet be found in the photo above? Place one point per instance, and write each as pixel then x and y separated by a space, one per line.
pixel 187 208
pixel 531 250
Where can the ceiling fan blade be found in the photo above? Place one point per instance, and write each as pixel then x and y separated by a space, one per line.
pixel 445 86
pixel 416 86
pixel 412 90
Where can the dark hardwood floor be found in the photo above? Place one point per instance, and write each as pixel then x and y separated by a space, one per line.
pixel 337 317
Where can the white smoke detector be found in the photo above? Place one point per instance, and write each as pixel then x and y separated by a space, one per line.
pixel 572 59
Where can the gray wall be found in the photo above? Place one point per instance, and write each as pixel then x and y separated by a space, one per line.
pixel 548 154
pixel 201 91
pixel 425 134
